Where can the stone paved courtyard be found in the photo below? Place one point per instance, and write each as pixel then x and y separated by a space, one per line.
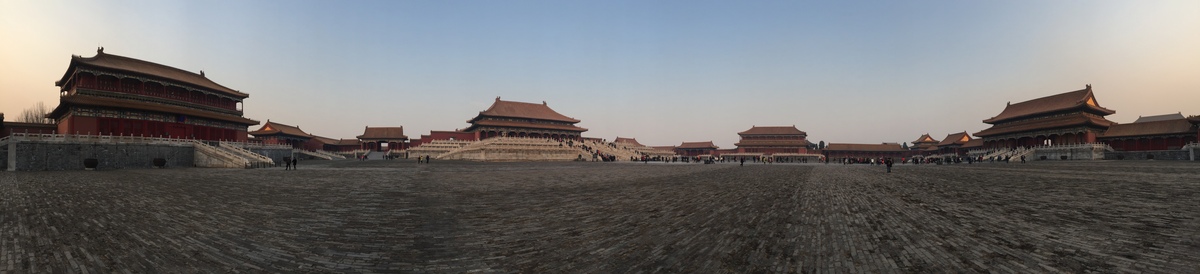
pixel 453 217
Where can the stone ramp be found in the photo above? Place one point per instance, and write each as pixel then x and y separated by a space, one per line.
pixel 513 149
pixel 215 156
pixel 313 154
pixel 255 159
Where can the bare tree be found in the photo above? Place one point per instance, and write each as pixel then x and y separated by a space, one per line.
pixel 36 114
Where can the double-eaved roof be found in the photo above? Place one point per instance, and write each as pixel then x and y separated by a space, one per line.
pixel 773 130
pixel 509 114
pixel 146 68
pixel 1072 109
pixel 1079 99
pixel 510 109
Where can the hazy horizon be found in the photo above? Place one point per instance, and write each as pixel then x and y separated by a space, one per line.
pixel 662 72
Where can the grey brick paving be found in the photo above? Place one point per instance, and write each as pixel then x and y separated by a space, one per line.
pixel 455 217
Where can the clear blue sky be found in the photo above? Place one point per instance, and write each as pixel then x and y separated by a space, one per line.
pixel 661 71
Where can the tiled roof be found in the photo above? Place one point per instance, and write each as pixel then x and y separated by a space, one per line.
pixel 276 128
pixel 347 142
pixel 925 139
pixel 693 145
pixel 973 143
pixel 955 139
pixel 383 133
pixel 1164 117
pixel 127 64
pixel 523 110
pixel 88 100
pixel 863 147
pixel 1046 123
pixel 516 124
pixel 772 130
pixel 798 143
pixel 664 148
pixel 325 140
pixel 1176 126
pixel 631 141
pixel 1058 102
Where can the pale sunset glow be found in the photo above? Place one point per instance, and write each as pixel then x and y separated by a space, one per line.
pixel 663 72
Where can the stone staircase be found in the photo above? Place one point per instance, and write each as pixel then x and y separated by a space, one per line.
pixel 256 160
pixel 313 154
pixel 330 154
pixel 512 149
pixel 436 148
pixel 213 156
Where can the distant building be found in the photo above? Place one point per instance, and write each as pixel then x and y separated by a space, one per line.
pixel 376 138
pixel 835 151
pixel 281 134
pixel 696 148
pixel 519 119
pixel 770 140
pixel 923 143
pixel 627 141
pixel 955 144
pixel 1068 118
pixel 115 95
pixel 1162 132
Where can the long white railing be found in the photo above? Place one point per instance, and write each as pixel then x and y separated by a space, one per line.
pixel 201 147
pixel 250 155
pixel 94 138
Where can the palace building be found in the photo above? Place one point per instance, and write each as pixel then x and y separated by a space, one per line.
pixel 835 151
pixel 519 119
pixel 115 95
pixel 377 138
pixel 1069 118
pixel 955 144
pixel 280 134
pixel 696 148
pixel 1161 132
pixel 923 143
pixel 770 140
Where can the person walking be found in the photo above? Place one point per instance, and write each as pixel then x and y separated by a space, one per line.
pixel 294 166
pixel 1022 159
pixel 288 163
pixel 888 162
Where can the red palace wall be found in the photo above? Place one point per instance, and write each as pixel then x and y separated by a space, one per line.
pixel 119 126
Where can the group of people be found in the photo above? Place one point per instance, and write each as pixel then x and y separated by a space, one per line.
pixel 290 163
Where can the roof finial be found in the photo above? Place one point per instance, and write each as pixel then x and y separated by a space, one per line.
pixel 543 102
pixel 1089 86
pixel 201 73
pixel 99 50
pixel 497 98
